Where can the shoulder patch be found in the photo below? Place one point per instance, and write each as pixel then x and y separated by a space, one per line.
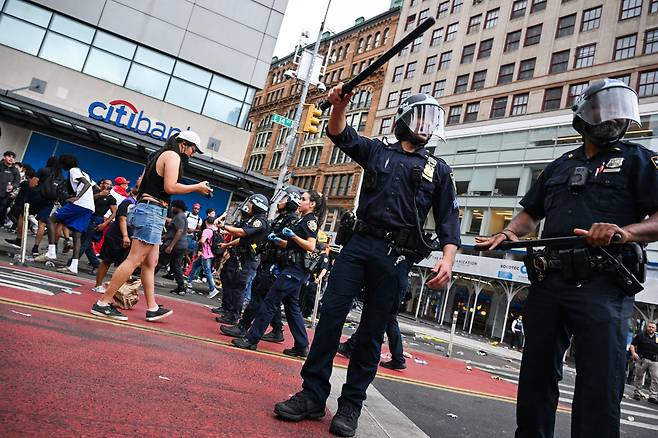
pixel 654 160
pixel 313 225
pixel 257 223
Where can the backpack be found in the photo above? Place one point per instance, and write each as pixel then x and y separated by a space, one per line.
pixel 55 188
pixel 215 244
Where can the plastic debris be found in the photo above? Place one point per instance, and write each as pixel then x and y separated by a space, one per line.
pixel 630 418
pixel 21 313
pixel 494 343
pixel 407 355
pixel 467 362
pixel 164 378
pixel 413 344
pixel 509 360
pixel 496 377
pixel 482 353
pixel 452 415
pixel 420 361
pixel 469 368
pixel 461 353
pixel 491 367
pixel 385 356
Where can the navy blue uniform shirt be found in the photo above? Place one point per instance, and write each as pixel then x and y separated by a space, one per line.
pixel 621 189
pixel 645 345
pixel 390 204
pixel 305 227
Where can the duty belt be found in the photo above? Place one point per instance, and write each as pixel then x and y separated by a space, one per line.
pixel 372 230
pixel 653 358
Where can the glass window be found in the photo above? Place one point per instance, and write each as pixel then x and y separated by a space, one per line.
pixel 20 35
pixel 437 35
pixel 512 40
pixel 439 88
pixel 478 80
pixel 154 59
pixel 443 9
pixel 72 28
pixel 630 9
pixel 114 44
pixel 526 69
pixel 559 62
pixel 518 9
pixel 575 90
pixel 651 41
pixel 472 110
pixel 591 19
pixel 519 104
pixel 653 6
pixel 425 88
pixel 454 114
pixel 392 99
pixel 485 48
pixel 461 83
pixel 566 26
pixel 506 74
pixel 147 81
pixel 532 35
pixel 537 5
pixel 244 116
pixel 106 66
pixel 65 51
pixel 226 86
pixel 491 18
pixel 397 73
pixel 498 107
pixel 28 12
pixel 193 74
pixel 444 61
pixel 585 56
pixel 222 108
pixel 468 53
pixel 625 47
pixel 185 94
pixel 552 98
pixel 648 83
pixel 411 70
pixel 474 23
pixel 430 65
pixel 451 31
pixel 385 127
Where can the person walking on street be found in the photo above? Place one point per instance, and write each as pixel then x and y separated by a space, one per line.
pixel 518 335
pixel 174 245
pixel 10 178
pixel 644 351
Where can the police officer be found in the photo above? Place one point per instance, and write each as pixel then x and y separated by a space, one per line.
pixel 252 229
pixel 287 201
pixel 298 241
pixel 402 181
pixel 605 187
pixel 644 351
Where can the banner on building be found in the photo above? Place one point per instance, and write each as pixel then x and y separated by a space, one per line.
pixel 482 266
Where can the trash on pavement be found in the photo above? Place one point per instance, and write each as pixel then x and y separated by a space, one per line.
pixel 407 355
pixel 440 348
pixel 509 360
pixel 21 313
pixel 467 362
pixel 469 368
pixel 461 353
pixel 496 377
pixel 631 418
pixel 385 356
pixel 164 378
pixel 494 343
pixel 482 353
pixel 452 416
pixel 413 344
pixel 420 361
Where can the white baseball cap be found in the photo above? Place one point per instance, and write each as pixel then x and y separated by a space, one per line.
pixel 193 138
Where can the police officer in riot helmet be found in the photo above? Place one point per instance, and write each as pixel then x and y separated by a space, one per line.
pixel 606 187
pixel 402 181
pixel 246 234
pixel 287 201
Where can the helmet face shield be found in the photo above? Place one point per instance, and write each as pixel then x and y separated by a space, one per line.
pixel 286 195
pixel 425 120
pixel 608 104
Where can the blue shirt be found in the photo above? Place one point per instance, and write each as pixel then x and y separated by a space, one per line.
pixel 621 188
pixel 390 203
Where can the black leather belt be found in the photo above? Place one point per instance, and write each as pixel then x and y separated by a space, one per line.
pixel 381 233
pixel 152 202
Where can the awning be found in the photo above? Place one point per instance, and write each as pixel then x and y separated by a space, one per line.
pixel 47 119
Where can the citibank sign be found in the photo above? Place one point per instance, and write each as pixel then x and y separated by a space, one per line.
pixel 124 114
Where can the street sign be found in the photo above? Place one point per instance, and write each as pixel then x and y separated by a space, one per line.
pixel 282 120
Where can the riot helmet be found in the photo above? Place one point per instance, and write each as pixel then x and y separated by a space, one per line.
pixel 419 117
pixel 290 196
pixel 604 111
pixel 259 203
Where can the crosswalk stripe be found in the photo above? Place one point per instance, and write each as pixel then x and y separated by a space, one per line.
pixel 637 424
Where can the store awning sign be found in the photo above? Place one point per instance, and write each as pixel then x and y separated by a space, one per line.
pixel 125 115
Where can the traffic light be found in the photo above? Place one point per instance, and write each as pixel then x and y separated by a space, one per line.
pixel 312 119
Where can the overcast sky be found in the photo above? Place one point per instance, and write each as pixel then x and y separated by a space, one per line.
pixel 307 15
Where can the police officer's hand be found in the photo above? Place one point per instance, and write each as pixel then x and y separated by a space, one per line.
pixel 635 357
pixel 287 232
pixel 443 272
pixel 271 237
pixel 491 243
pixel 336 100
pixel 601 234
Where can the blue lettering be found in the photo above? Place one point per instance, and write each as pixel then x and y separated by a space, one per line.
pixel 93 106
pixel 137 122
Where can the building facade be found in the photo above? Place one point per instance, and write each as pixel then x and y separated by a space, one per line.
pixel 316 163
pixel 119 77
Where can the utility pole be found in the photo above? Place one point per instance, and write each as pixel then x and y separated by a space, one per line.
pixel 289 148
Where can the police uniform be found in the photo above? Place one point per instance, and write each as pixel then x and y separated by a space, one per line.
pixel 311 288
pixel 647 348
pixel 386 212
pixel 617 185
pixel 286 287
pixel 266 274
pixel 235 272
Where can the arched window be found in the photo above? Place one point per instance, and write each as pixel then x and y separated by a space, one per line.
pixel 340 54
pixel 332 57
pixel 385 39
pixel 378 37
pixel 360 49
pixel 368 42
pixel 347 49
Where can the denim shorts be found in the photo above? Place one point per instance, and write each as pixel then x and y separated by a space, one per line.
pixel 148 221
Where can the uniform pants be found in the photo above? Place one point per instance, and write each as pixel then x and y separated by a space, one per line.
pixel 285 290
pixel 175 262
pixel 641 367
pixel 234 282
pixel 517 339
pixel 596 314
pixel 394 340
pixel 364 261
pixel 262 283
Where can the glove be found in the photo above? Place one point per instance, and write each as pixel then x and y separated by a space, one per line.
pixel 271 237
pixel 287 232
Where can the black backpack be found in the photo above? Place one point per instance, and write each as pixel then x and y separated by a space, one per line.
pixel 217 240
pixel 55 188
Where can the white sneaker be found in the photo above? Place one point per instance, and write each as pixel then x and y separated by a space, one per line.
pixel 197 280
pixel 213 294
pixel 98 289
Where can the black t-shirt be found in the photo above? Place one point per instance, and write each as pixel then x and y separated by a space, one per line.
pixel 103 204
pixel 114 232
pixel 646 345
pixel 178 222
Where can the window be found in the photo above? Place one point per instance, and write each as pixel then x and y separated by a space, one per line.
pixel 385 127
pixel 415 45
pixel 444 61
pixel 518 9
pixel 624 78
pixel 559 62
pixel 552 98
pixel 392 99
pixel 630 9
pixel 537 5
pixel 423 15
pixel 565 26
pixel 472 110
pixel 585 56
pixel 461 84
pixel 519 104
pixel 506 74
pixel 425 88
pixel 485 48
pixel 526 69
pixel 404 94
pixel 276 160
pixel 430 65
pixel 437 35
pixel 410 23
pixel 498 107
pixel 625 47
pixel 64 51
pixel 454 114
pixel 491 19
pixel 378 39
pixel 650 41
pixel 653 6
pixel 648 83
pixel 186 95
pixel 478 80
pixel 512 41
pixel 591 19
pixel 439 88
pixel 575 90
pixel 444 7
pixel 506 186
pixel 411 70
pixel 397 73
pixel 468 53
pixel 474 23
pixel 147 81
pixel 451 31
pixel 532 35
pixel 456 6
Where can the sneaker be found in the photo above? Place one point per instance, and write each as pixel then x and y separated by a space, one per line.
pixel 235 331
pixel 637 397
pixel 16 243
pixel 35 250
pixel 212 294
pixel 393 365
pixel 156 315
pixel 43 258
pixel 109 311
pixel 197 280
pixel 344 350
pixel 653 400
pixel 296 352
pixel 66 270
pixel 345 421
pixel 243 343
pixel 299 407
pixel 68 246
pixel 273 336
pixel 177 290
pixel 98 289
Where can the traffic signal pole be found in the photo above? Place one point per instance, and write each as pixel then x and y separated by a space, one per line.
pixel 289 148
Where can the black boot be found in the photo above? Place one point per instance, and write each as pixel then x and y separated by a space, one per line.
pixel 344 350
pixel 226 319
pixel 235 331
pixel 345 421
pixel 244 343
pixel 393 365
pixel 296 352
pixel 299 407
pixel 273 336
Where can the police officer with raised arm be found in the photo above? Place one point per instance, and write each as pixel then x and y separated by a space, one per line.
pixel 402 181
pixel 606 187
